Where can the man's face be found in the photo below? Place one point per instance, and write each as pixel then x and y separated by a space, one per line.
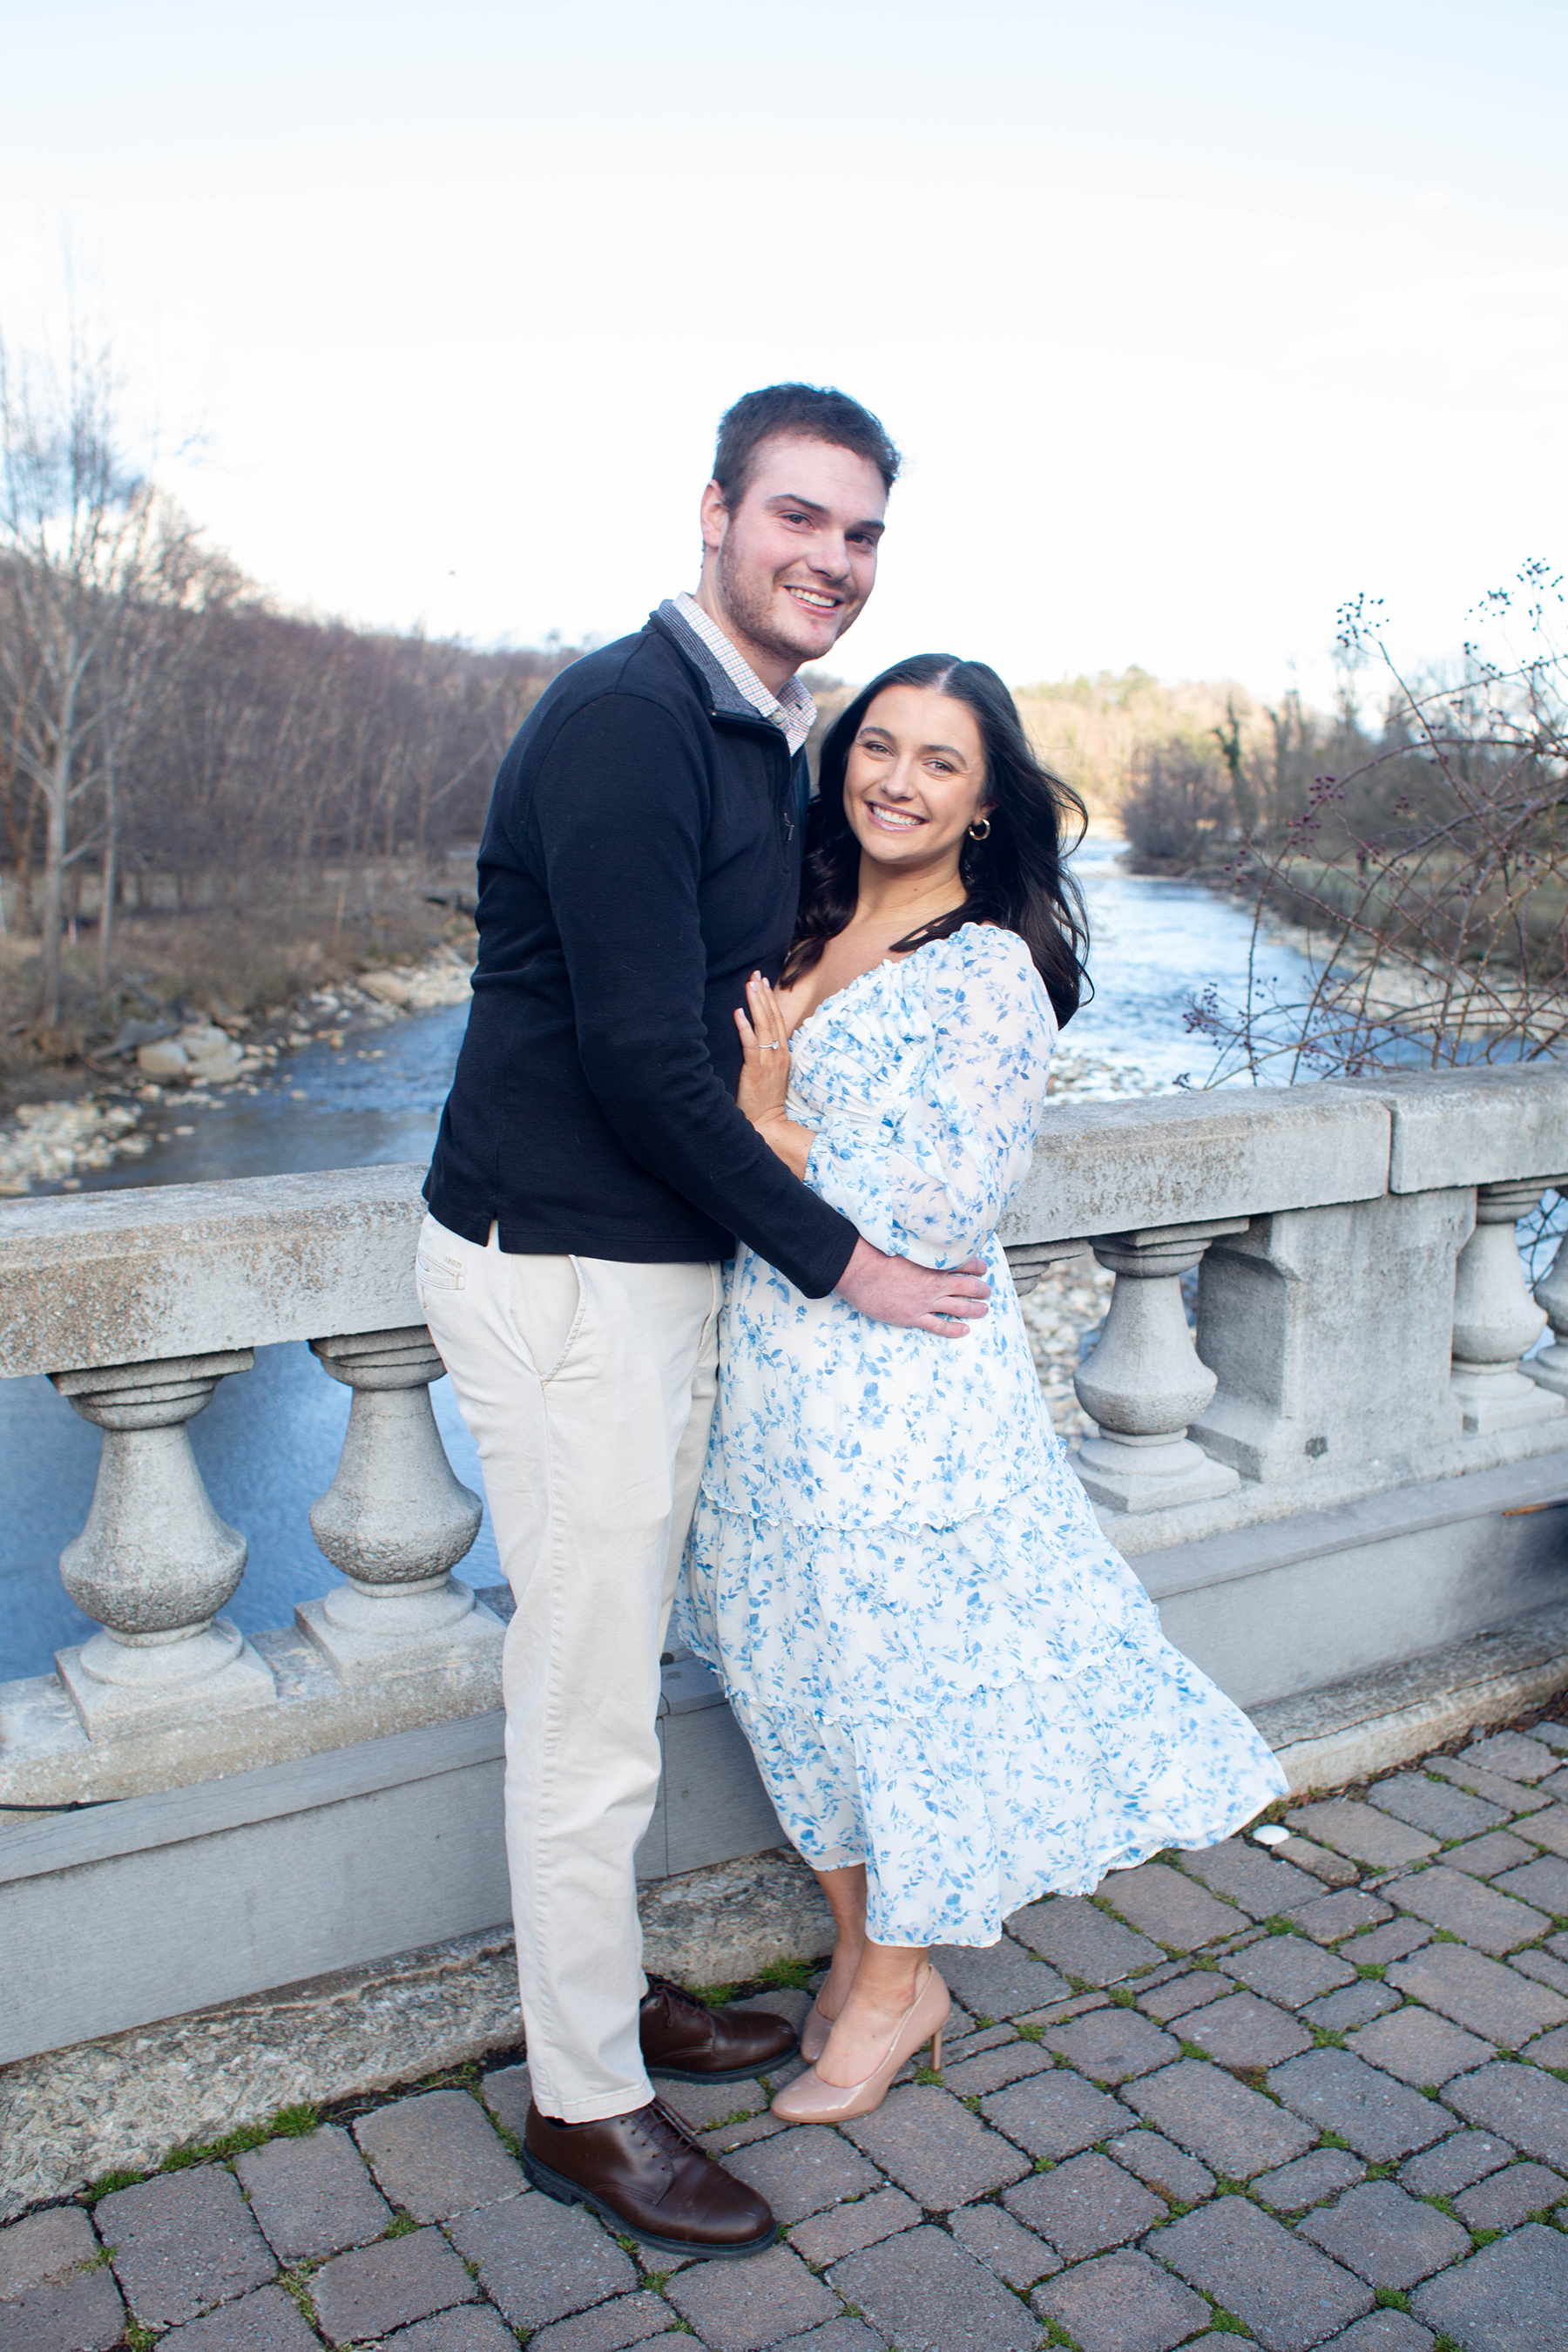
pixel 792 565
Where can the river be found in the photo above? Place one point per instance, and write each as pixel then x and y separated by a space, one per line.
pixel 268 1442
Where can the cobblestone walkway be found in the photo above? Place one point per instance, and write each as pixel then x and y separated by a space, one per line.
pixel 1313 2093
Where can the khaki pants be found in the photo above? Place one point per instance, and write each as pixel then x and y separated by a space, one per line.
pixel 588 1386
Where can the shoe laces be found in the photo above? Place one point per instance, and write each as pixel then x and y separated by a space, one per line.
pixel 678 1995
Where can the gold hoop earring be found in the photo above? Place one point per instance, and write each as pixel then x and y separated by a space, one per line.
pixel 981 829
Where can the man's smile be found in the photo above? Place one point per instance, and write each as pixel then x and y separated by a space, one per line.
pixel 815 600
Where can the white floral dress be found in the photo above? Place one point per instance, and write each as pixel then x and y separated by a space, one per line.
pixel 944 1669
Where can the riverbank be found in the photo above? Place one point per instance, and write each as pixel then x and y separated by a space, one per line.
pixel 192 1065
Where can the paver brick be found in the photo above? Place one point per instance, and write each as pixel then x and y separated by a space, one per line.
pixel 1319 2174
pixel 1381 1945
pixel 1380 2331
pixel 1470 1909
pixel 539 2260
pixel 1011 2253
pixel 1492 2001
pixel 437 2155
pixel 1352 2005
pixel 844 2335
pixel 922 2290
pixel 1173 1998
pixel 967 2078
pixel 1335 2091
pixel 1512 1753
pixel 182 2241
pixel 1163 2167
pixel 1506 2198
pixel 1000 1980
pixel 371 2290
pixel 938 2150
pixel 1290 2296
pixel 475 2327
pixel 1520 2104
pixel 1552 1735
pixel 706 2105
pixel 1235 2130
pixel 1509 1796
pixel 52 2303
pixel 1387 2237
pixel 1485 1857
pixel 1084 2206
pixel 267 2320
pixel 1164 1904
pixel 1551 2049
pixel 738 2307
pixel 1509 2297
pixel 1544 1965
pixel 1122 2303
pixel 1288 1969
pixel 1544 1882
pixel 1434 1806
pixel 1329 1918
pixel 1365 1833
pixel 1454 2164
pixel 1257 1881
pixel 1332 1868
pixel 1113 2044
pixel 1419 2047
pixel 1078 1940
pixel 1549 1829
pixel 845 2229
pixel 507 2091
pixel 1247 2032
pixel 801 2171
pixel 312 2196
pixel 1053 2114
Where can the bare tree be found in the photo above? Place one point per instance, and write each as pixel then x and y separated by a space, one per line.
pixel 92 563
pixel 1428 870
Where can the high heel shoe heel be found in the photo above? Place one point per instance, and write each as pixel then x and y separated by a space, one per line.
pixel 813 2033
pixel 810 2100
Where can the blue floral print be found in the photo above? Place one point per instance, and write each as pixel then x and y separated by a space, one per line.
pixel 944 1669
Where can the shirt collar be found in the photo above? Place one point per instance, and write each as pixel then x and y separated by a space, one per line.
pixel 792 710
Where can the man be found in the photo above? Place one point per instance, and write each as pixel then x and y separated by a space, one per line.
pixel 641 859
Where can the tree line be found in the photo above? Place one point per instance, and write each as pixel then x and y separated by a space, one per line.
pixel 160 717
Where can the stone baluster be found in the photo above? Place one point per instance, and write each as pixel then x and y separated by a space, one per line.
pixel 1028 1261
pixel 155 1563
pixel 1495 1317
pixel 1550 1368
pixel 1145 1381
pixel 394 1519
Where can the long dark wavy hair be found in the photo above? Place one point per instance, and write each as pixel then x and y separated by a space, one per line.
pixel 1015 877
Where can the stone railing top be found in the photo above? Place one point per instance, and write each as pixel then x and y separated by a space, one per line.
pixel 130 1277
pixel 123 1278
pixel 1106 1168
pixel 1479 1126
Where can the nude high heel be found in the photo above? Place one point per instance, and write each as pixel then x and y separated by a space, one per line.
pixel 810 2100
pixel 813 2033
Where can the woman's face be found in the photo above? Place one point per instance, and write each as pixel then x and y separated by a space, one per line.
pixel 915 778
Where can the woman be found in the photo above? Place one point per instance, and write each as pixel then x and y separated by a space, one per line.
pixel 957 1691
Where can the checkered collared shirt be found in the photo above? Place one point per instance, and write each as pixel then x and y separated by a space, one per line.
pixel 793 711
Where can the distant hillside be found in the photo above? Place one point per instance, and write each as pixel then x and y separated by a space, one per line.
pixel 1089 729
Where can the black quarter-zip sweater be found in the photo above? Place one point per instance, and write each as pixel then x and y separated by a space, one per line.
pixel 641 858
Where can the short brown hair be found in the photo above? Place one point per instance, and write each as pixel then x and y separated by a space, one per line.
pixel 816 411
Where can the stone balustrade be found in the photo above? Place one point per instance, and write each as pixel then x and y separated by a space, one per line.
pixel 1353 1375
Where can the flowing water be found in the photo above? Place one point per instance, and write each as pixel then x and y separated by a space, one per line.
pixel 268 1442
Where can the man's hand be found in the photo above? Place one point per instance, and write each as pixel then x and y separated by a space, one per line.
pixel 896 1290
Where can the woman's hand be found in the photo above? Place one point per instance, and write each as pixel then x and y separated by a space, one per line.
pixel 765 1075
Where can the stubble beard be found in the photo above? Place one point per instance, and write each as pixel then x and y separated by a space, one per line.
pixel 751 610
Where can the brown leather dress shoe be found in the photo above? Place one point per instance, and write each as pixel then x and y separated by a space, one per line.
pixel 683 2038
pixel 644 2173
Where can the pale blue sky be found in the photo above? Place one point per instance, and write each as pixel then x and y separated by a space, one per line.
pixel 1192 319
